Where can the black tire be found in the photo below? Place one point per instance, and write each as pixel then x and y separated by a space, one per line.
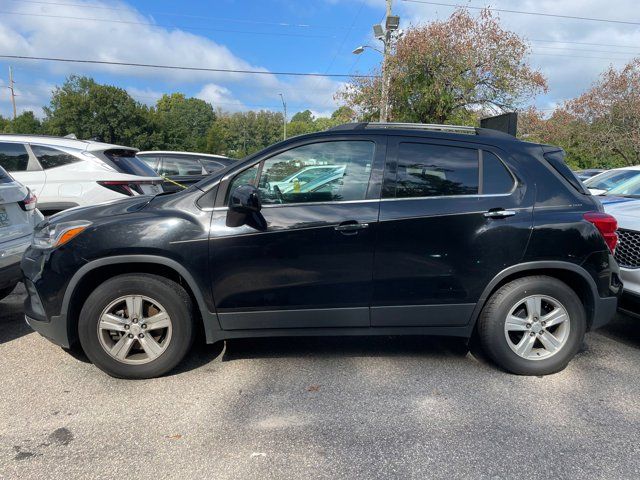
pixel 174 299
pixel 491 325
pixel 5 292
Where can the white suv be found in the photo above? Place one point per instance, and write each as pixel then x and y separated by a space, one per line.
pixel 18 217
pixel 65 172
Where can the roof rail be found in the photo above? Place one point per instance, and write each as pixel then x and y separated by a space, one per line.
pixel 424 126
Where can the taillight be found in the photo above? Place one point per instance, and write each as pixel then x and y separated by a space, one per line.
pixel 126 187
pixel 606 225
pixel 29 202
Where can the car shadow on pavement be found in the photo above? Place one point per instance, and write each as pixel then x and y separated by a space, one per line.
pixel 12 324
pixel 362 346
pixel 624 329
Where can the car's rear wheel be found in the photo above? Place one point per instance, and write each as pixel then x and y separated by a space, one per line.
pixel 136 326
pixel 532 326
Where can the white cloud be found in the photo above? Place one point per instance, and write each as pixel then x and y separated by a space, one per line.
pixel 127 39
pixel 147 96
pixel 221 97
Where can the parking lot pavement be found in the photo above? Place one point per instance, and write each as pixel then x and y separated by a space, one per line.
pixel 319 407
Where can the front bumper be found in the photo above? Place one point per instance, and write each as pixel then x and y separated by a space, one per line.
pixel 630 300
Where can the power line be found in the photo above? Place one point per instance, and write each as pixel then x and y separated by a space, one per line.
pixel 157 25
pixel 177 67
pixel 522 12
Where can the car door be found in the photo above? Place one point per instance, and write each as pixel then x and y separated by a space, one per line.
pixel 310 263
pixel 453 215
pixel 15 159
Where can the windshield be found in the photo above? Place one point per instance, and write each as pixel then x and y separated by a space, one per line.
pixel 611 179
pixel 630 188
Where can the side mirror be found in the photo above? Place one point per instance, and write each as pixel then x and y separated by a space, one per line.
pixel 245 199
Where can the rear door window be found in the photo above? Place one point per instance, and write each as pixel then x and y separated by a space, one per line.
pixel 4 176
pixel 426 170
pixel 52 157
pixel 14 157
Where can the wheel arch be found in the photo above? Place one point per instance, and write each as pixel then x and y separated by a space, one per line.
pixel 576 277
pixel 92 274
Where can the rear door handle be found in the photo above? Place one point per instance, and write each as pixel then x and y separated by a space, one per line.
pixel 350 227
pixel 499 213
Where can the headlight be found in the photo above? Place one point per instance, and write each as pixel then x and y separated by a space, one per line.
pixel 54 235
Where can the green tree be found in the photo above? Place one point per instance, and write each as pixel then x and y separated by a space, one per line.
pixel 445 71
pixel 90 110
pixel 305 116
pixel 184 122
pixel 239 134
pixel 26 122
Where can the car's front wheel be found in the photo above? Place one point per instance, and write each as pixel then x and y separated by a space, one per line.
pixel 532 326
pixel 136 326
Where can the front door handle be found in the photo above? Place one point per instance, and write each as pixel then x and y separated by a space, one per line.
pixel 351 227
pixel 499 213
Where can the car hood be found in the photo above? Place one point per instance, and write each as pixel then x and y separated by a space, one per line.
pixel 102 210
pixel 627 213
pixel 613 200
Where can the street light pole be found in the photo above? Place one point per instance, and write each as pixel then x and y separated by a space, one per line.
pixel 384 94
pixel 284 106
pixel 13 93
pixel 387 36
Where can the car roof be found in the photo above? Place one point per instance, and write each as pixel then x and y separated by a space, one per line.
pixel 88 145
pixel 168 152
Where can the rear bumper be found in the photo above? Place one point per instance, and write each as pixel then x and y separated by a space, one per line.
pixel 10 256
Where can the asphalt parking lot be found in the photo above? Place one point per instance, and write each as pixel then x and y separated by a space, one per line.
pixel 319 408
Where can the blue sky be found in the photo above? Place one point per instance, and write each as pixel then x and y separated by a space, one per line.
pixel 272 35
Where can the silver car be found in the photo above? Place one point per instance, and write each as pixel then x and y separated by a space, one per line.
pixel 18 217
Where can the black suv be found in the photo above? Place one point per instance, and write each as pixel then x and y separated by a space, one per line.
pixel 365 229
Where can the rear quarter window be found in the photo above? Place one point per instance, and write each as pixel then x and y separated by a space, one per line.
pixel 556 160
pixel 52 157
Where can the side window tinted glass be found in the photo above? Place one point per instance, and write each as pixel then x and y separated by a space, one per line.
pixel 425 170
pixel 180 166
pixel 13 157
pixel 495 176
pixel 211 165
pixel 52 157
pixel 246 177
pixel 149 160
pixel 320 172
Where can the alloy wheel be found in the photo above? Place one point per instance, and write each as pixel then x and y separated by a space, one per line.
pixel 537 327
pixel 134 329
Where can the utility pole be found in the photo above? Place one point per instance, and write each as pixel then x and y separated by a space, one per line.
pixel 13 93
pixel 284 122
pixel 384 94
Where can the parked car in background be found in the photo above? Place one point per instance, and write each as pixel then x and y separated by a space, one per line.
pixel 18 217
pixel 429 230
pixel 183 168
pixel 626 210
pixel 588 173
pixel 605 181
pixel 65 172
